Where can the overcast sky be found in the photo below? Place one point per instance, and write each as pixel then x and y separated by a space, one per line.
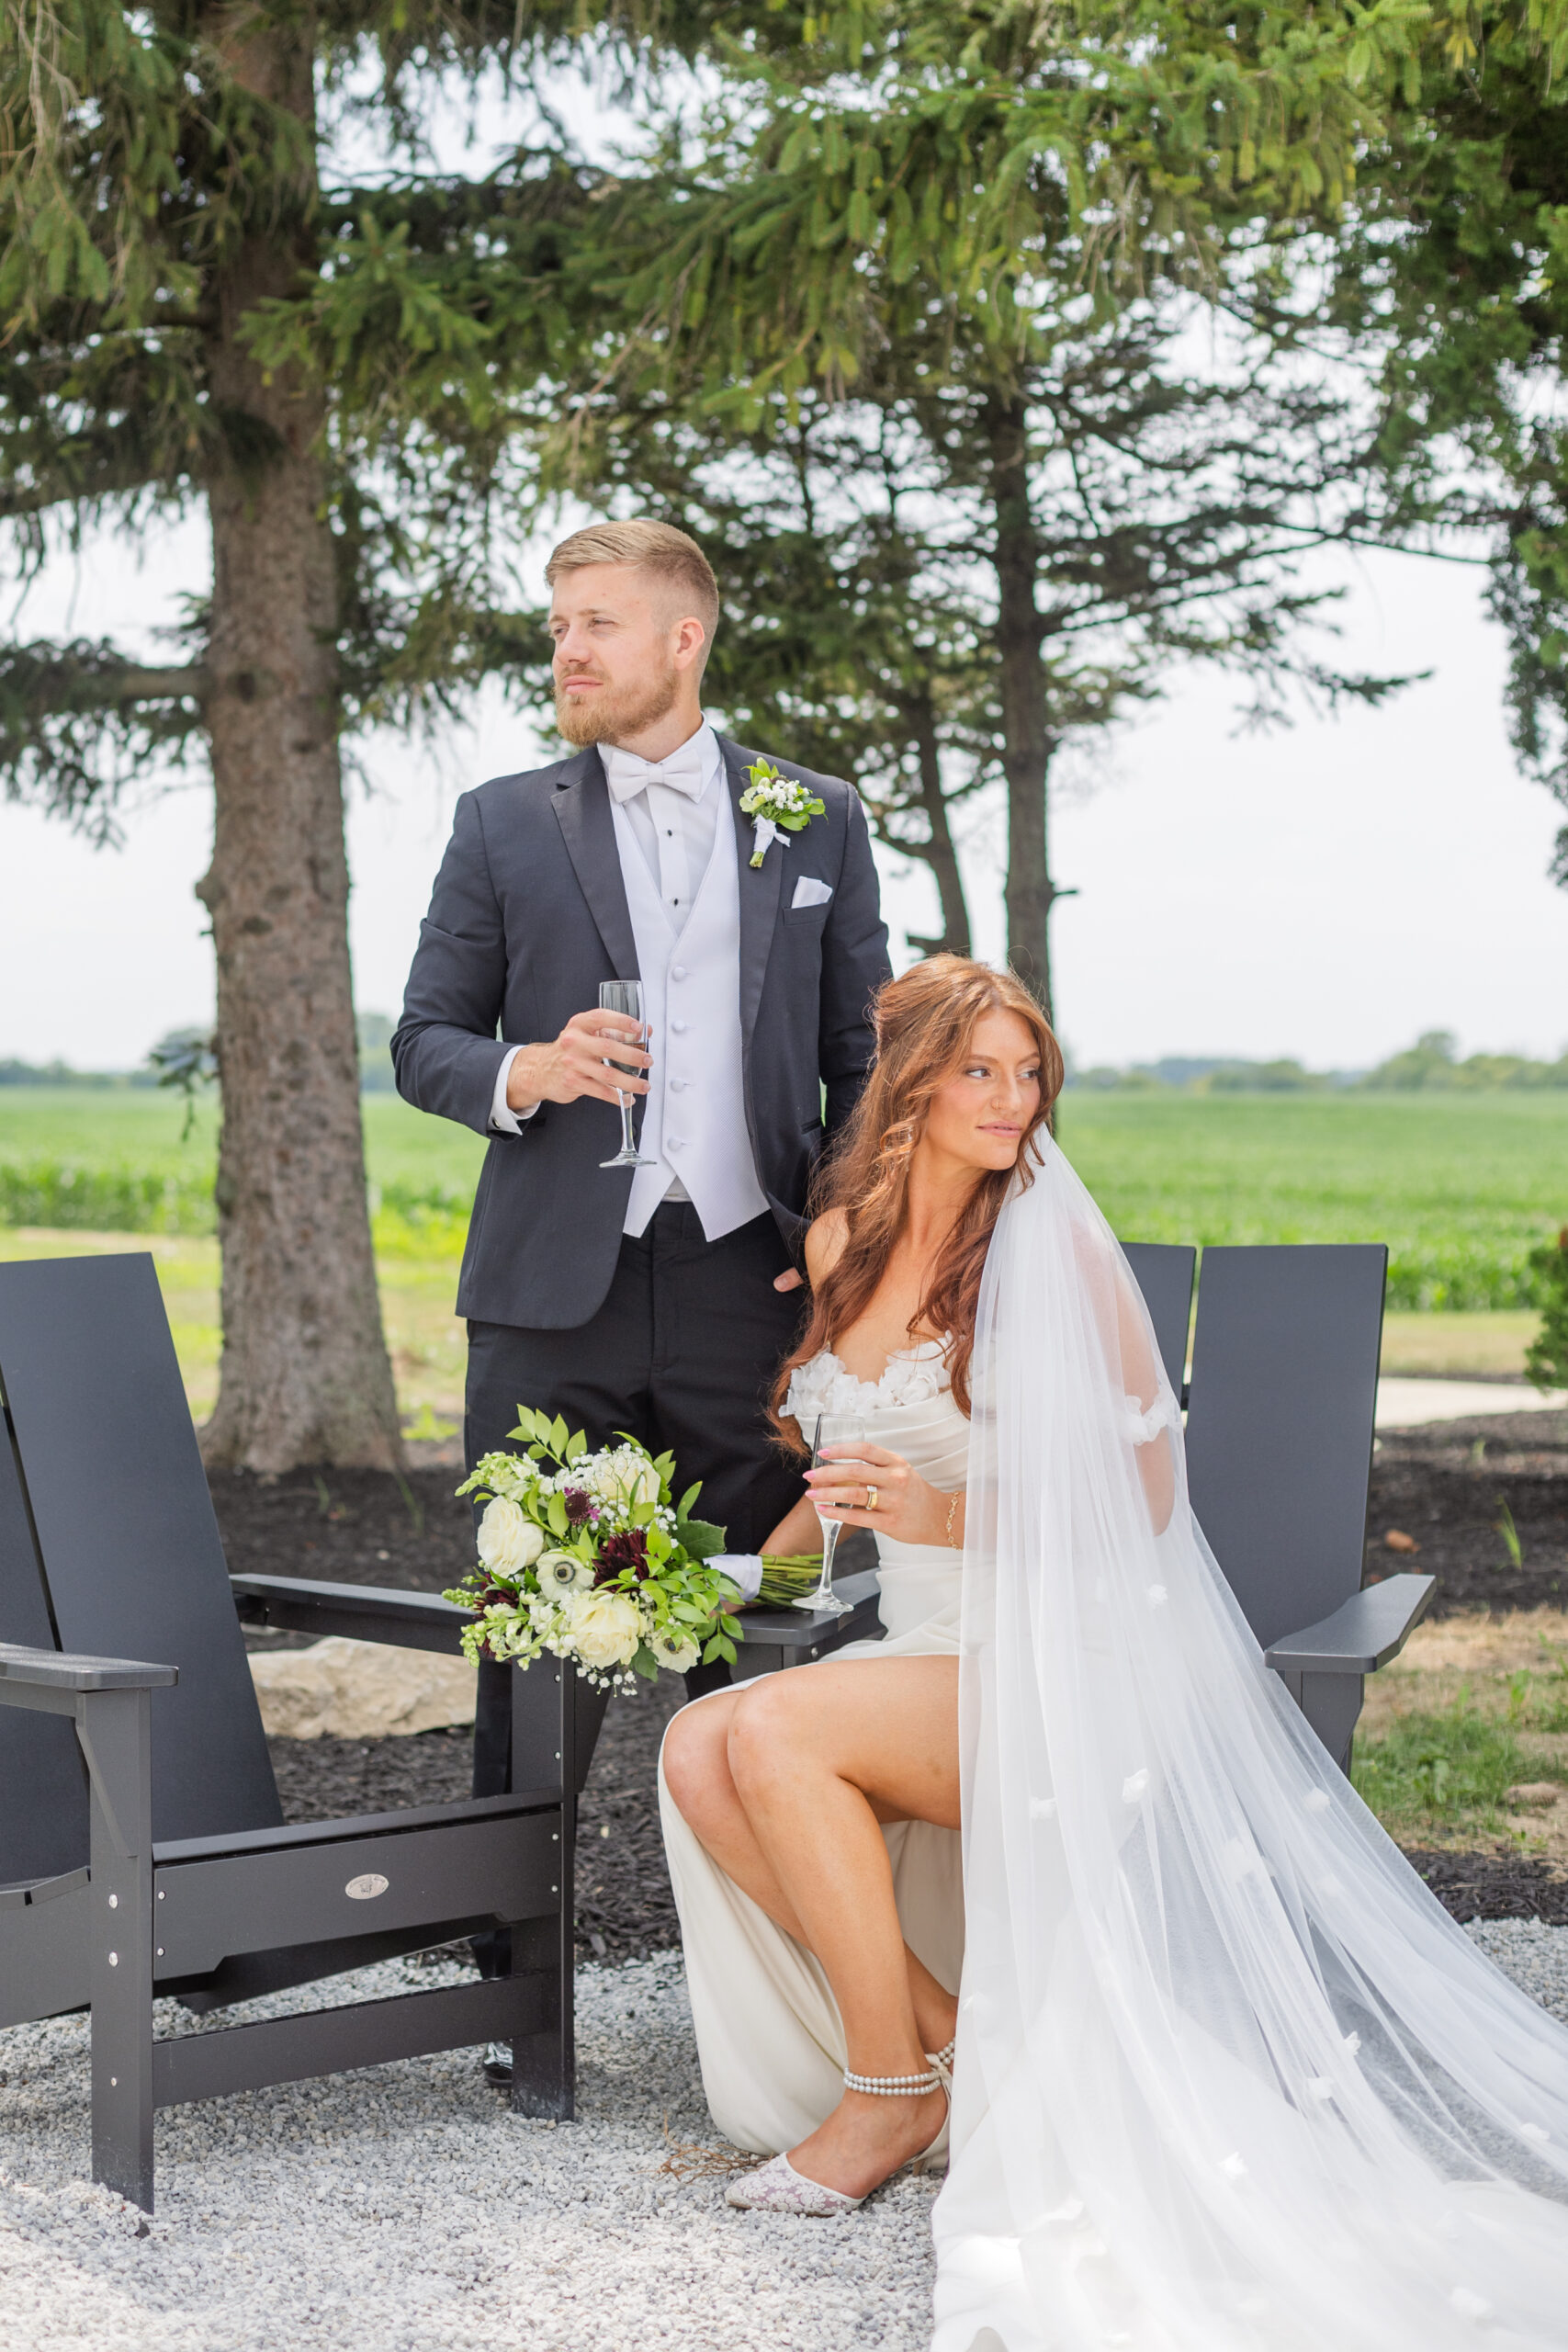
pixel 1325 892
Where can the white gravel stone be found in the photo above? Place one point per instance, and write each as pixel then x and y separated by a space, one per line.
pixel 404 2208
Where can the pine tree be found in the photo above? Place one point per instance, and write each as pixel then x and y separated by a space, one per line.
pixel 195 317
pixel 982 242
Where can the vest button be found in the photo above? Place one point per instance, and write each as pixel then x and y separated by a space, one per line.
pixel 677 971
pixel 673 1143
pixel 677 1086
pixel 679 1027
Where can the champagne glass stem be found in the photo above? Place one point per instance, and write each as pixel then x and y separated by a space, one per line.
pixel 628 1141
pixel 823 1596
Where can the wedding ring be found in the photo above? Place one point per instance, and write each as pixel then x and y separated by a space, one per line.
pixel 871 1498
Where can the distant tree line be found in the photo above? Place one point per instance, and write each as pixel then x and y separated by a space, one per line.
pixel 1431 1065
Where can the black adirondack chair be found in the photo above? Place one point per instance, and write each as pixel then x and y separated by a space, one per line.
pixel 142 1843
pixel 1279 1459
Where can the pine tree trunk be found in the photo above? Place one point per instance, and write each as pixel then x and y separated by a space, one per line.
pixel 305 1374
pixel 940 852
pixel 1027 740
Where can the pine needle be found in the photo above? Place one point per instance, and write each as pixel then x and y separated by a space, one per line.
pixel 688 2160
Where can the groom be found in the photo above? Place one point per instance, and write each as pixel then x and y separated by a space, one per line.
pixel 653 1300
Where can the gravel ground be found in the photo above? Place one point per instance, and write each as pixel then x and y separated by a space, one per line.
pixel 406 2210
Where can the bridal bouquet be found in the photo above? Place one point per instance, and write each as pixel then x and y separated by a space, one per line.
pixel 585 1555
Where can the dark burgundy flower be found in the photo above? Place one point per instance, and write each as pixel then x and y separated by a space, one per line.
pixel 578 1506
pixel 620 1552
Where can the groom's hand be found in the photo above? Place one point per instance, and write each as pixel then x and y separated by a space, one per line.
pixel 575 1065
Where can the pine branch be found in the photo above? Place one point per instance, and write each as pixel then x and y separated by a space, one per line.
pixel 79 723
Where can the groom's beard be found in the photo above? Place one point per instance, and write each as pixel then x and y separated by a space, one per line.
pixel 613 713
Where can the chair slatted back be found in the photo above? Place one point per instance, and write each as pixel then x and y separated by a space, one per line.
pixel 1163 1272
pixel 1279 1422
pixel 133 1563
pixel 43 1782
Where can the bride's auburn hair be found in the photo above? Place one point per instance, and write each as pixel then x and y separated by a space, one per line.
pixel 924 1021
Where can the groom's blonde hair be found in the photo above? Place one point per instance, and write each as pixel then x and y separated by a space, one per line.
pixel 667 555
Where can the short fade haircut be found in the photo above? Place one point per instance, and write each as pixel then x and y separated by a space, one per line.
pixel 655 548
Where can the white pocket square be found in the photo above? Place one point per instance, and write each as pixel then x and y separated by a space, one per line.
pixel 809 892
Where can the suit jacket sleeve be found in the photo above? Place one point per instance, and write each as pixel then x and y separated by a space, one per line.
pixel 446 1052
pixel 854 966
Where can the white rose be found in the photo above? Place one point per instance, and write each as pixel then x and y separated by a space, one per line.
pixel 562 1572
pixel 678 1656
pixel 629 1477
pixel 605 1629
pixel 508 1540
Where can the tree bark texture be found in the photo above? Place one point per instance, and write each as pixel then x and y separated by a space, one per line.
pixel 305 1374
pixel 1027 740
pixel 941 853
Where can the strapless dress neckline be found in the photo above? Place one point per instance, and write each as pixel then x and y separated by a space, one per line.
pixel 912 1375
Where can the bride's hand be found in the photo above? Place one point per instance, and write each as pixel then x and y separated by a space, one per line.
pixel 907 1507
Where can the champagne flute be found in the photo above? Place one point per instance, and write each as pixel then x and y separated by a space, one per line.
pixel 623 996
pixel 832 1429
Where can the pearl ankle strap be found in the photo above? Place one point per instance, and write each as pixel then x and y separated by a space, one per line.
pixel 893 2085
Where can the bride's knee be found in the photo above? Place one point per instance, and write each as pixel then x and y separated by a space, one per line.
pixel 694 1759
pixel 763 1731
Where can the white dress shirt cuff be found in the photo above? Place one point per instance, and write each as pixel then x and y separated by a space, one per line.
pixel 502 1117
pixel 744 1567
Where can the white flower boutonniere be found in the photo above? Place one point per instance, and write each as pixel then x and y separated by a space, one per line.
pixel 778 806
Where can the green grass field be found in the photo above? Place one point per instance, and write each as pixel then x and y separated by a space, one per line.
pixel 1460 1186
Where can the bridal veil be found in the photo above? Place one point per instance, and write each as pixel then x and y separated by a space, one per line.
pixel 1229 2079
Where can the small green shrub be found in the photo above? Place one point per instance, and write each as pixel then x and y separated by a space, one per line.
pixel 1443 1770
pixel 1547 1361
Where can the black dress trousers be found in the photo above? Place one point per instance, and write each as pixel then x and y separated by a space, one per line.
pixel 680 1355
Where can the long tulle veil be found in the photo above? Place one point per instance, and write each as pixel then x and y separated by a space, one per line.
pixel 1228 2076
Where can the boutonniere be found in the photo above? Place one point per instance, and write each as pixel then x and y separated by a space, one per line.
pixel 778 805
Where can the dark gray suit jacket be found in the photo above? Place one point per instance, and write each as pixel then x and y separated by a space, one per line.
pixel 528 915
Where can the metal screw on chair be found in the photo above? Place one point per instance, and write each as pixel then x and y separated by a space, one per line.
pixel 113 1960
pixel 114 1903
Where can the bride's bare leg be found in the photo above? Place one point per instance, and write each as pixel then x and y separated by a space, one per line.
pixel 697 1774
pixel 819 1759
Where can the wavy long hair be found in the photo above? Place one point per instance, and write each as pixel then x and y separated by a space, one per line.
pixel 924 1021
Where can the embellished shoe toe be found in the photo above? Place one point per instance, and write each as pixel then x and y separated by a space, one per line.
pixel 777 2187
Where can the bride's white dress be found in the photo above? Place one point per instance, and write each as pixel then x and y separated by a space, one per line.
pixel 1228 2078
pixel 768 2032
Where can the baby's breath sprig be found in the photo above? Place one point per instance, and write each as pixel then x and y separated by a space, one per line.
pixel 779 804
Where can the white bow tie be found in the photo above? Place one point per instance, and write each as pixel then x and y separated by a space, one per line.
pixel 626 774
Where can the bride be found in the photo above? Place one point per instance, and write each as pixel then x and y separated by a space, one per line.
pixel 1227 2078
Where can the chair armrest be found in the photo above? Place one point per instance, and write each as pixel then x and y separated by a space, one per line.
pixel 363 1612
pixel 23 1669
pixel 794 1629
pixel 1371 1628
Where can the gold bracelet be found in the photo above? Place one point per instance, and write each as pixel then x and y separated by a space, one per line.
pixel 953 1506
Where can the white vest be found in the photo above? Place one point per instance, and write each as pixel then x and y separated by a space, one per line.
pixel 694 1122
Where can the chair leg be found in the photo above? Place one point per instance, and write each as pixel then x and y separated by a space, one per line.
pixel 115 1730
pixel 1332 1704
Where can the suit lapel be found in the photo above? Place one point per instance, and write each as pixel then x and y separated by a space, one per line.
pixel 760 891
pixel 582 811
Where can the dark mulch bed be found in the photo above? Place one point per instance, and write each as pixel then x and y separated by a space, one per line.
pixel 1494 1886
pixel 1445 1485
pixel 345 1527
pixel 1442 1484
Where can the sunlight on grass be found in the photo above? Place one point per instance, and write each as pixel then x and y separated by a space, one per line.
pixel 426 1340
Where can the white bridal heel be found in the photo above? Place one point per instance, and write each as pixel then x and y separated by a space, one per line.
pixel 777 2187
